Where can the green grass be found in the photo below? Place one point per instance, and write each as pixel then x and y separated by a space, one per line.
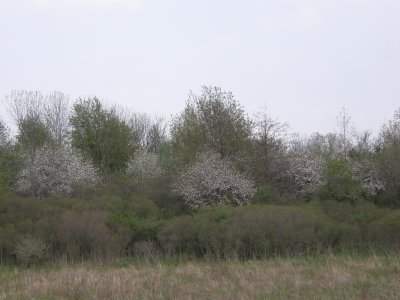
pixel 319 277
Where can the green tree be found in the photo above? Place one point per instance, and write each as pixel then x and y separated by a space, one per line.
pixel 4 144
pixel 9 161
pixel 269 148
pixel 102 134
pixel 213 120
pixel 32 135
pixel 388 152
pixel 340 184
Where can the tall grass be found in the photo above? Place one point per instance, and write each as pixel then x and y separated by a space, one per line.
pixel 318 277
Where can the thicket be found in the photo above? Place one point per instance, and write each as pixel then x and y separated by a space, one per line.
pixel 98 182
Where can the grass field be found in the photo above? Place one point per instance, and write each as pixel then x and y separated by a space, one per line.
pixel 321 277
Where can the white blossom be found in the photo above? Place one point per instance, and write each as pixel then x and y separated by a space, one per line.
pixel 366 173
pixel 144 165
pixel 214 181
pixel 305 171
pixel 55 171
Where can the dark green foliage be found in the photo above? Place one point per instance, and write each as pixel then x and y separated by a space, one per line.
pixel 388 150
pixel 214 120
pixel 340 183
pixel 102 135
pixel 253 231
pixel 10 162
pixel 385 232
pixel 105 226
pixel 32 134
pixel 142 216
pixel 354 220
pixel 267 194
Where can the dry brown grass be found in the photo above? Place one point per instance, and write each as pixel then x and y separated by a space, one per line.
pixel 326 277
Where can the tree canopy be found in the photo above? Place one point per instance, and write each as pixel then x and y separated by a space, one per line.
pixel 102 135
pixel 213 120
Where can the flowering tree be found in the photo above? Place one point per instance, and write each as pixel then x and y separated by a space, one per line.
pixel 55 171
pixel 144 165
pixel 212 181
pixel 305 172
pixel 368 176
pixel 364 165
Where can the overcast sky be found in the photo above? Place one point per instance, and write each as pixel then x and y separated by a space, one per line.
pixel 305 59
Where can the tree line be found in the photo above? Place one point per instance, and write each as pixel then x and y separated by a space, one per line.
pixel 145 181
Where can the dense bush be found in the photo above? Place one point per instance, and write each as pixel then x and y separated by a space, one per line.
pixel 108 227
pixel 385 232
pixel 141 216
pixel 250 232
pixel 354 221
pixel 86 235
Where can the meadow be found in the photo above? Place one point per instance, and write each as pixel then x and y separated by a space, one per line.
pixel 330 276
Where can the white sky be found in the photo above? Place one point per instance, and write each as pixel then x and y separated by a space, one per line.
pixel 305 59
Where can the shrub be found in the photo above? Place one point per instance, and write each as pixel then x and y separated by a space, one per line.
pixel 86 235
pixel 385 232
pixel 353 219
pixel 30 250
pixel 267 194
pixel 254 231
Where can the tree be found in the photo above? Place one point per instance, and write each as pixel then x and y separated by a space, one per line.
pixel 42 121
pixel 102 135
pixel 50 112
pixel 269 147
pixel 326 146
pixel 9 160
pixel 55 171
pixel 315 159
pixel 388 149
pixel 144 165
pixel 32 135
pixel 364 165
pixel 340 183
pixel 305 173
pixel 5 144
pixel 213 120
pixel 345 132
pixel 212 181
pixel 57 117
pixel 150 132
pixel 4 136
